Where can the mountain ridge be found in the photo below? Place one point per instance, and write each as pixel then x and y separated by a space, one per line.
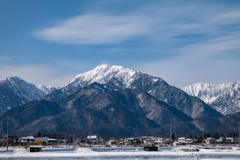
pixel 123 78
pixel 225 98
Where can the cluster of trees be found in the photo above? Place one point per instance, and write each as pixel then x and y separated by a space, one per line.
pixel 12 140
pixel 50 135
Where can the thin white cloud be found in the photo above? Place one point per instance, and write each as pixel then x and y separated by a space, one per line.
pixel 215 31
pixel 94 29
pixel 217 46
pixel 5 58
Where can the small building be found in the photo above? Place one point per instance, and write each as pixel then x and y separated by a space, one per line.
pixel 92 139
pixel 38 143
pixel 160 139
pixel 168 140
pixel 211 140
pixel 181 139
pixel 128 141
pixel 232 140
pixel 37 148
pixel 222 139
pixel 180 143
pixel 112 142
pixel 27 139
pixel 45 139
pixel 150 148
pixel 157 142
pixel 189 140
pixel 52 141
pixel 148 141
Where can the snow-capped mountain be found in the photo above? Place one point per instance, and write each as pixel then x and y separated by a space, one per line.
pixel 102 74
pixel 128 78
pixel 225 98
pixel 45 88
pixel 15 91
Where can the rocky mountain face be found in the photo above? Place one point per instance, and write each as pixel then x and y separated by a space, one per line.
pixel 45 88
pixel 15 91
pixel 119 101
pixel 126 108
pixel 27 113
pixel 117 77
pixel 199 126
pixel 225 98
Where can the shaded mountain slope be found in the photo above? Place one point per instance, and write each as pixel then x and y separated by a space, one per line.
pixel 22 115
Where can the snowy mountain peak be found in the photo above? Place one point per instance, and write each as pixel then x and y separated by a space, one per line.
pixel 102 74
pixel 22 88
pixel 15 91
pixel 12 80
pixel 45 88
pixel 223 97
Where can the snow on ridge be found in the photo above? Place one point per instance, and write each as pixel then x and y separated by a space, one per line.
pixel 45 88
pixel 102 74
pixel 223 97
pixel 23 89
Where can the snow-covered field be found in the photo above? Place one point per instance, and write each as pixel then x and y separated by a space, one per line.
pixel 133 153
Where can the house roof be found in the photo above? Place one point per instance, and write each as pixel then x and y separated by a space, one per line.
pixel 50 139
pixel 37 146
pixel 28 137
pixel 92 137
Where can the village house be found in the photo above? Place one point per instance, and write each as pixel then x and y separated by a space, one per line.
pixel 210 140
pixel 148 141
pixel 27 139
pixel 128 141
pixel 92 139
pixel 44 139
pixel 232 140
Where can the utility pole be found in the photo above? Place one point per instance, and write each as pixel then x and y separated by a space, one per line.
pixel 58 138
pixel 239 134
pixel 7 130
pixel 171 132
pixel 90 131
pixel 73 137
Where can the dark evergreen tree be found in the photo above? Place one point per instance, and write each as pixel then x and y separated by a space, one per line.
pixel 173 136
pixel 234 134
pixel 200 137
pixel 71 140
pixel 39 134
pixel 190 136
pixel 207 135
pixel 16 141
pixel 216 136
pixel 195 137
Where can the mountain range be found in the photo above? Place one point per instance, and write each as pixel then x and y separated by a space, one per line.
pixel 118 100
pixel 15 91
pixel 225 98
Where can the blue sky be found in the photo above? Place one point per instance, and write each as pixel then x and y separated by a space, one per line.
pixel 182 42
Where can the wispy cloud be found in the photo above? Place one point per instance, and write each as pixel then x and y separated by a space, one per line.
pixel 94 29
pixel 195 37
pixel 5 58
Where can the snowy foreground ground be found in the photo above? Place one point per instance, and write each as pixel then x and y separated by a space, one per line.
pixel 133 153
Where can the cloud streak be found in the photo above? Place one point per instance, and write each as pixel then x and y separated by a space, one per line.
pixel 94 29
pixel 194 38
